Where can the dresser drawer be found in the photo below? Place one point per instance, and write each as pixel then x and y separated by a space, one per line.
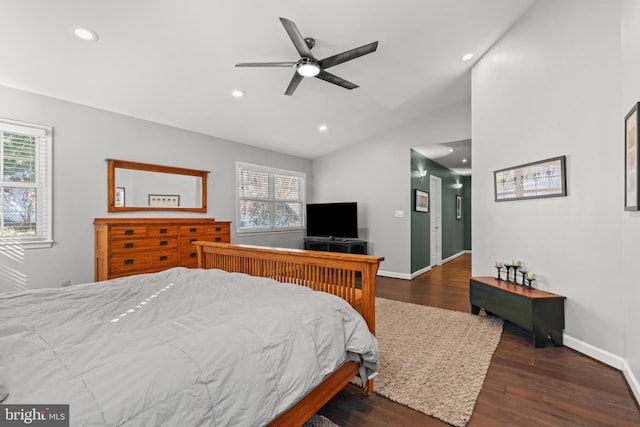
pixel 136 245
pixel 187 241
pixel 121 232
pixel 192 230
pixel 218 229
pixel 131 262
pixel 188 258
pixel 162 230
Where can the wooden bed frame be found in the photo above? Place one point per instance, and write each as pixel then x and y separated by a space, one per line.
pixel 351 277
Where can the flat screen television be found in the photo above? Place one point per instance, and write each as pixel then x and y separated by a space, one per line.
pixel 332 220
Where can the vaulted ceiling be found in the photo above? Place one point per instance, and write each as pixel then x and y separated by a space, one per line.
pixel 173 62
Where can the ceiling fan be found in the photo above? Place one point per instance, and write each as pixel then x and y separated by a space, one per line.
pixel 308 65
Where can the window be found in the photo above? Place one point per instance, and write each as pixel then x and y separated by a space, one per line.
pixel 25 184
pixel 269 199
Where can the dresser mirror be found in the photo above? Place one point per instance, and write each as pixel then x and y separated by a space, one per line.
pixel 135 186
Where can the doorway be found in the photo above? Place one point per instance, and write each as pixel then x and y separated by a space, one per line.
pixel 435 251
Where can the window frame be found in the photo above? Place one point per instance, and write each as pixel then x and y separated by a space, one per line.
pixel 271 171
pixel 44 184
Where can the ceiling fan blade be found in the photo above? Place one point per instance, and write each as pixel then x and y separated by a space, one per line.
pixel 348 55
pixel 296 38
pixel 266 64
pixel 328 77
pixel 293 84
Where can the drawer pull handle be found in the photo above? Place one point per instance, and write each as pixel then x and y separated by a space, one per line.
pixel 163 243
pixel 218 228
pixel 193 254
pixel 128 261
pixel 128 232
pixel 128 245
pixel 193 230
pixel 192 240
pixel 218 239
pixel 163 231
pixel 164 258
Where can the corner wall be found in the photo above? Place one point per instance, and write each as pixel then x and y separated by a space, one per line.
pixel 553 85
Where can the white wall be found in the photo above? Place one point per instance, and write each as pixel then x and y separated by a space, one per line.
pixel 83 138
pixel 553 86
pixel 377 174
pixel 631 220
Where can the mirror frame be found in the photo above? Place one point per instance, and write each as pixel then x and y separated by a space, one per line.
pixel 112 164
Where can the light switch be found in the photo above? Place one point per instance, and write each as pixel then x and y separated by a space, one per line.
pixel 399 214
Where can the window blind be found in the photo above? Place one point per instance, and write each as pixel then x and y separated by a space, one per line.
pixel 269 199
pixel 25 184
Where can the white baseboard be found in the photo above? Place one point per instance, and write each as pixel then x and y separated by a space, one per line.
pixel 394 275
pixel 415 274
pixel 404 276
pixel 421 271
pixel 633 382
pixel 452 257
pixel 607 358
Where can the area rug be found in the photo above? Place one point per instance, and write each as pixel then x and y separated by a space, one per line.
pixel 433 360
pixel 319 421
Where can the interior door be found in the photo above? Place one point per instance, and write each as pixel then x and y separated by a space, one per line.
pixel 435 187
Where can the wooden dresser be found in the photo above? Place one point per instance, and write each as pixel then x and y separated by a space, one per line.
pixel 126 246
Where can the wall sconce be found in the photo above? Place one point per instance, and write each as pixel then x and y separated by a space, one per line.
pixel 422 173
pixel 458 185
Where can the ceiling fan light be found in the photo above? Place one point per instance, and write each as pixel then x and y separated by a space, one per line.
pixel 308 69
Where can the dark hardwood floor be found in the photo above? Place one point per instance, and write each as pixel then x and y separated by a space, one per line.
pixel 524 386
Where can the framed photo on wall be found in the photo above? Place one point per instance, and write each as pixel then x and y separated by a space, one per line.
pixel 544 178
pixel 631 159
pixel 422 201
pixel 458 206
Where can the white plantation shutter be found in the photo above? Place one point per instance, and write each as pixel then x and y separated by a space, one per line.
pixel 25 185
pixel 269 199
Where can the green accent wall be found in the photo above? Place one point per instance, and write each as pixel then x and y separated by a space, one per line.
pixel 466 215
pixel 456 233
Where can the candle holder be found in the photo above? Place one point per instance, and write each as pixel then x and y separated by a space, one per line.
pixel 528 283
pixel 499 276
pixel 524 277
pixel 515 273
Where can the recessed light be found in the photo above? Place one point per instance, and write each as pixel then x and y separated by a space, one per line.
pixel 451 150
pixel 464 160
pixel 84 33
pixel 323 128
pixel 467 56
pixel 237 93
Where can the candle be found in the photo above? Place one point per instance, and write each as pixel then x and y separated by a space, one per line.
pixel 498 263
pixel 516 262
pixel 530 276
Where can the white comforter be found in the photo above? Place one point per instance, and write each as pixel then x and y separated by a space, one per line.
pixel 183 347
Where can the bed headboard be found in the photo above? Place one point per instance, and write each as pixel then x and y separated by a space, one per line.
pixel 349 276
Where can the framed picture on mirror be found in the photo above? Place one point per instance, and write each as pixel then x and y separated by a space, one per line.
pixel 119 197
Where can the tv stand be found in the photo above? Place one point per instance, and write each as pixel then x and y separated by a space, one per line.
pixel 334 244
